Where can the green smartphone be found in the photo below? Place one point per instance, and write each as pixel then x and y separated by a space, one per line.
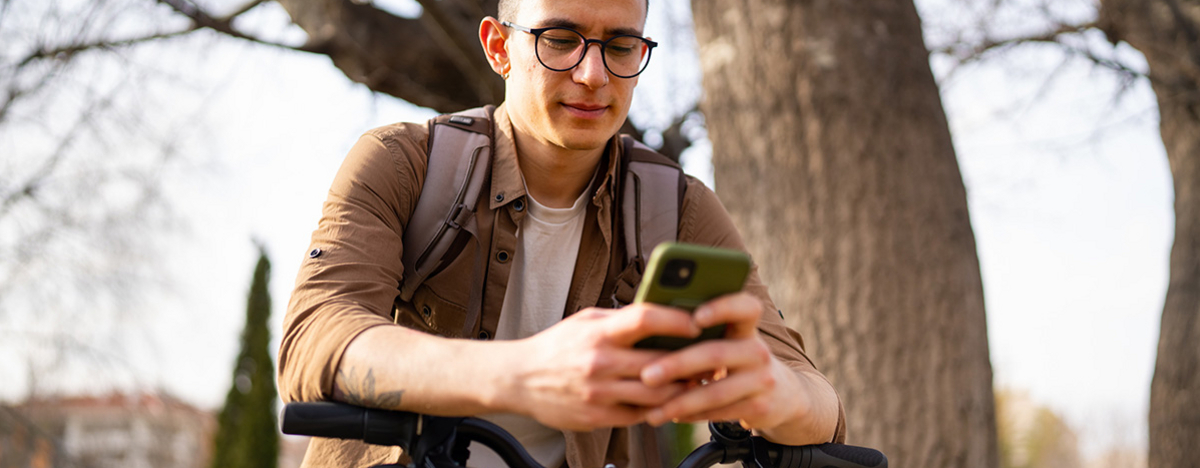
pixel 686 275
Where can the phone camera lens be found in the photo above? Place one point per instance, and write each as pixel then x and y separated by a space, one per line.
pixel 678 273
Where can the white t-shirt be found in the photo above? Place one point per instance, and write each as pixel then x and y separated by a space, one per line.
pixel 538 284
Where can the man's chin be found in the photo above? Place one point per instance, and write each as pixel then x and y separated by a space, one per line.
pixel 585 140
pixel 584 144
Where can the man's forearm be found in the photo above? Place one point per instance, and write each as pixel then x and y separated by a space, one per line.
pixel 815 420
pixel 396 368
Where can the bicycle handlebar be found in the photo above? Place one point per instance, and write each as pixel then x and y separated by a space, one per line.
pixel 341 421
pixel 424 436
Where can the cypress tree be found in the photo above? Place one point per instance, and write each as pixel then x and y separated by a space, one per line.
pixel 246 435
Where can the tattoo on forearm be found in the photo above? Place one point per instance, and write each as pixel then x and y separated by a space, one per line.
pixel 361 391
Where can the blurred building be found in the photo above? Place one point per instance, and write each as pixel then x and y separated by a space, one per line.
pixel 115 431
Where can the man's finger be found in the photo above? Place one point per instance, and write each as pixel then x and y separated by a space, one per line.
pixel 740 313
pixel 709 356
pixel 634 322
pixel 711 397
pixel 633 392
pixel 621 362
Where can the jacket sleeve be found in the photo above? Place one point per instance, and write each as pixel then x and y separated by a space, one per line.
pixel 350 273
pixel 704 221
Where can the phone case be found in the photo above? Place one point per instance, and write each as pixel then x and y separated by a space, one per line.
pixel 711 272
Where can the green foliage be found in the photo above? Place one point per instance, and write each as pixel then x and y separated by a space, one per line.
pixel 246 435
pixel 681 440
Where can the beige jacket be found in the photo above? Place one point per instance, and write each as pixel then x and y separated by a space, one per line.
pixel 349 278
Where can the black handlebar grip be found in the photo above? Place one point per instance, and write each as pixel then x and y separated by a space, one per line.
pixel 342 421
pixel 831 455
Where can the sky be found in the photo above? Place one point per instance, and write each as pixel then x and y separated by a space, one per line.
pixel 1067 183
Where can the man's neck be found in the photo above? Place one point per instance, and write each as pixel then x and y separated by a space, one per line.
pixel 555 176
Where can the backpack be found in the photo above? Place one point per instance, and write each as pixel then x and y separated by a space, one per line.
pixel 460 155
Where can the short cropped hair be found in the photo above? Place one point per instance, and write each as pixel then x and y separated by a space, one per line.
pixel 507 10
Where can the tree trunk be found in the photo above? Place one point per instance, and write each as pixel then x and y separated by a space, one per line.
pixel 1168 33
pixel 832 152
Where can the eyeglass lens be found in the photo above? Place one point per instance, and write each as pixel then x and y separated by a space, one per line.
pixel 562 49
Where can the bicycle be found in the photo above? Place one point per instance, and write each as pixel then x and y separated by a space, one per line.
pixel 441 442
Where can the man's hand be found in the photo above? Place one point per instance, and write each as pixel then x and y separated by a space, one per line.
pixel 742 380
pixel 582 374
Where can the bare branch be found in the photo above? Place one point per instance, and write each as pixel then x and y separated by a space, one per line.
pixel 378 49
pixel 201 19
pixel 965 54
pixel 454 41
pixel 252 4
pixel 4 8
pixel 65 52
pixel 29 188
pixel 1109 63
pixel 1184 23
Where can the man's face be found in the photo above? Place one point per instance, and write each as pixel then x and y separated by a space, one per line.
pixel 578 109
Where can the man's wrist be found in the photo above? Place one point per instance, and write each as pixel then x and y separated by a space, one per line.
pixel 496 384
pixel 813 417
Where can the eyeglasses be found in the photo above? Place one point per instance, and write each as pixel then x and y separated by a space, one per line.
pixel 561 49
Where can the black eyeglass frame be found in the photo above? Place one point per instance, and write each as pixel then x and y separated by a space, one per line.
pixel 587 43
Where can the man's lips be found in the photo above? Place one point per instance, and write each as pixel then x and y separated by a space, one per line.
pixel 585 109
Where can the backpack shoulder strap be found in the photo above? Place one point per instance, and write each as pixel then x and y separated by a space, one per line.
pixel 652 199
pixel 460 153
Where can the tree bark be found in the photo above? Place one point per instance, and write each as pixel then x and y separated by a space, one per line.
pixel 433 61
pixel 832 152
pixel 1167 32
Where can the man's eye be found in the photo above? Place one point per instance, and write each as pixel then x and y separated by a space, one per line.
pixel 560 43
pixel 619 51
pixel 622 46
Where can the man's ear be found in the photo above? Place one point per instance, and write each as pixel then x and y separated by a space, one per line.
pixel 495 44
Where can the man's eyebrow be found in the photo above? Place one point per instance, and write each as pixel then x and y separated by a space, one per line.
pixel 566 23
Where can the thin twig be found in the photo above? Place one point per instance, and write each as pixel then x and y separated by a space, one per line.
pixel 975 53
pixel 71 49
pixel 252 4
pixel 201 19
pixel 964 56
pixel 1109 63
pixel 28 189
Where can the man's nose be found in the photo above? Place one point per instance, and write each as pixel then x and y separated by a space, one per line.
pixel 591 71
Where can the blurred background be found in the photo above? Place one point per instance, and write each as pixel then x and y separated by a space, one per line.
pixel 155 154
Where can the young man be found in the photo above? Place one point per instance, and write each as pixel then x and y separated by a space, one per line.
pixel 561 373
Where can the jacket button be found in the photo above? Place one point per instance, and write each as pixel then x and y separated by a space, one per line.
pixel 502 256
pixel 314 253
pixel 425 311
pixel 499 197
pixel 483 334
pixel 519 205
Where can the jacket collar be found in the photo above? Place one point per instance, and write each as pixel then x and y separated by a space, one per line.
pixel 508 184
